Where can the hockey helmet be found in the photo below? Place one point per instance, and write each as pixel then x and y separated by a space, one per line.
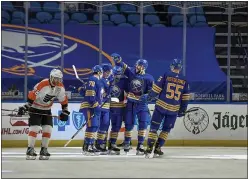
pixel 56 77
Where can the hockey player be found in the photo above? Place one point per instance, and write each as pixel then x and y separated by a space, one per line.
pixel 90 107
pixel 140 83
pixel 117 109
pixel 40 100
pixel 106 86
pixel 172 92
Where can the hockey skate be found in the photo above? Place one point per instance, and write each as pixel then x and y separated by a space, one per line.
pixel 127 147
pixel 113 149
pixel 140 150
pixel 44 155
pixel 102 149
pixel 84 148
pixel 31 154
pixel 122 145
pixel 148 152
pixel 158 152
pixel 90 150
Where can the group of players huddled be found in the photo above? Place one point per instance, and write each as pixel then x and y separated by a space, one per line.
pixel 134 89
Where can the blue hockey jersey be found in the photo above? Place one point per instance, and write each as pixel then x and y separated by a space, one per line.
pixel 106 87
pixel 118 91
pixel 139 84
pixel 172 92
pixel 92 96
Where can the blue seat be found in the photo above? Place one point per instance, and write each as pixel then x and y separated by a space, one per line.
pixel 125 25
pixel 158 25
pixel 176 19
pixel 152 19
pixel 196 10
pixel 104 17
pixel 55 21
pixel 200 24
pixel 5 15
pixel 33 21
pixel 90 22
pixel 118 18
pixel 44 17
pixel 35 6
pixel 127 8
pixel 144 25
pixel 72 22
pixel 108 23
pixel 149 9
pixel 17 21
pixel 196 19
pixel 174 10
pixel 180 24
pixel 18 15
pixel 4 21
pixel 133 18
pixel 80 17
pixel 110 9
pixel 51 7
pixel 7 5
pixel 57 16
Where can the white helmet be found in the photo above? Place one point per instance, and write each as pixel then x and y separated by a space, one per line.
pixel 56 76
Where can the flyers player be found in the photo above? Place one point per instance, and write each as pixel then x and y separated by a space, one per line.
pixel 40 100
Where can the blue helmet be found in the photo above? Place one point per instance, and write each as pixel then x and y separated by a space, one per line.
pixel 117 70
pixel 106 67
pixel 116 57
pixel 97 69
pixel 176 64
pixel 142 62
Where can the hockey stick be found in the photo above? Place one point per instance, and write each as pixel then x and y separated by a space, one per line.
pixel 76 74
pixel 11 110
pixel 188 111
pixel 16 115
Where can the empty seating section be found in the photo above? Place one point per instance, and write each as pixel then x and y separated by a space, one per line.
pixel 124 15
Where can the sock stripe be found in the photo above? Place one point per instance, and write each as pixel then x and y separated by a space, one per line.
pixel 46 134
pixel 32 134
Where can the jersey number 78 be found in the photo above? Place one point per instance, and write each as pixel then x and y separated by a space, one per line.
pixel 174 91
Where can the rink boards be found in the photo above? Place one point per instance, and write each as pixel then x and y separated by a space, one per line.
pixel 211 125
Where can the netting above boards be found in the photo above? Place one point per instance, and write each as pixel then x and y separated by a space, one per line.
pixel 175 3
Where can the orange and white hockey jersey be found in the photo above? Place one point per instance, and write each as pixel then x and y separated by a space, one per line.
pixel 43 95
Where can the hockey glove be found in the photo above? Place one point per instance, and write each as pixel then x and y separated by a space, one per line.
pixel 64 116
pixel 24 109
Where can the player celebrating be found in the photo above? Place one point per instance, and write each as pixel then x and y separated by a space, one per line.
pixel 140 84
pixel 117 109
pixel 90 107
pixel 40 100
pixel 172 90
pixel 106 86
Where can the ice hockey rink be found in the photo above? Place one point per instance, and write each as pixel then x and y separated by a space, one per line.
pixel 185 162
